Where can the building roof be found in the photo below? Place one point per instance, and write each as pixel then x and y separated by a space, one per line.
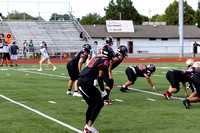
pixel 145 31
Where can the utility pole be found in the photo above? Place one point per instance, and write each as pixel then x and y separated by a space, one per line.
pixel 181 29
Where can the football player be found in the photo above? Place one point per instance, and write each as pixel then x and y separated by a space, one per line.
pixel 96 68
pixel 109 40
pixel 74 68
pixel 117 59
pixel 45 56
pixel 195 96
pixel 189 63
pixel 176 76
pixel 133 72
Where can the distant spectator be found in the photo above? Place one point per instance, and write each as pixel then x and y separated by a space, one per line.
pixel 82 36
pixel 195 50
pixel 14 52
pixel 31 47
pixel 6 54
pixel 25 48
pixel 44 44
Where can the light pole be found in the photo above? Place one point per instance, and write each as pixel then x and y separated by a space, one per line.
pixel 181 29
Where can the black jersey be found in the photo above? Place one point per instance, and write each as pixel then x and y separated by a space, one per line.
pixel 91 71
pixel 141 71
pixel 182 75
pixel 78 55
pixel 120 57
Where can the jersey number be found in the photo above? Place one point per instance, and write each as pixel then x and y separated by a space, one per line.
pixel 90 64
pixel 142 67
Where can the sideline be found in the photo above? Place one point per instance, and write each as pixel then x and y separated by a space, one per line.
pixel 46 116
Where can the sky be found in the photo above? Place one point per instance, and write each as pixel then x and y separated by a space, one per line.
pixel 81 8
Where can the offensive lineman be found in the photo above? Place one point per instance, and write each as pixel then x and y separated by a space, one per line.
pixel 96 68
pixel 117 59
pixel 74 68
pixel 139 71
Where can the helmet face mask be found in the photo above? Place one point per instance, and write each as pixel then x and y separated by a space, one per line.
pixel 86 47
pixel 123 50
pixel 189 62
pixel 151 68
pixel 107 52
pixel 109 40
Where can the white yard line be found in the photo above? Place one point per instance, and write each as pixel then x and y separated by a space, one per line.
pixel 46 116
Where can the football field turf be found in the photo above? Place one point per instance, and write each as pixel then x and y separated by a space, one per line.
pixel 42 106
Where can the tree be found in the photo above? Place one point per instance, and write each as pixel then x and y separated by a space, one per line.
pixel 59 17
pixel 92 19
pixel 21 16
pixel 171 15
pixel 123 9
pixel 197 16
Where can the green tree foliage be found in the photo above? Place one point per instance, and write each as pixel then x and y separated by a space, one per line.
pixel 123 9
pixel 59 17
pixel 21 16
pixel 92 19
pixel 171 15
pixel 197 16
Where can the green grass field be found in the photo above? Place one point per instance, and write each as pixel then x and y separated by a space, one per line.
pixel 136 114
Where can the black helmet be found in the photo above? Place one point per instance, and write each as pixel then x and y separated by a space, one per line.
pixel 193 70
pixel 151 68
pixel 109 40
pixel 107 51
pixel 123 50
pixel 86 47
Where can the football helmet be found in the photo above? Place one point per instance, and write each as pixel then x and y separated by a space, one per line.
pixel 109 40
pixel 189 62
pixel 107 51
pixel 123 50
pixel 193 70
pixel 41 45
pixel 151 68
pixel 197 65
pixel 86 47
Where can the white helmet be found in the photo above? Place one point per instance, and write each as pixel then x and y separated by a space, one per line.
pixel 197 65
pixel 41 45
pixel 189 62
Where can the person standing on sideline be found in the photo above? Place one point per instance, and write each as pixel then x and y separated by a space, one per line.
pixel 45 56
pixel 96 68
pixel 195 48
pixel 74 68
pixel 6 54
pixel 14 52
pixel 25 49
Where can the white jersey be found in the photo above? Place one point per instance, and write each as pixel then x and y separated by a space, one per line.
pixel 6 49
pixel 92 52
pixel 44 52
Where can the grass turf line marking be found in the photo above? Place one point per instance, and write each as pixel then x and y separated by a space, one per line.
pixel 150 99
pixel 52 102
pixel 46 116
pixel 153 93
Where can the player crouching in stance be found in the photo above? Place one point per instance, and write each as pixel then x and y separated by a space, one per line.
pixel 74 68
pixel 117 59
pixel 133 72
pixel 96 68
pixel 176 76
pixel 45 56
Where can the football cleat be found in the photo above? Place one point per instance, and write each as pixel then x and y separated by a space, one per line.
pixel 109 100
pixel 167 95
pixel 54 68
pixel 186 102
pixel 69 93
pixel 107 103
pixel 76 94
pixel 39 69
pixel 123 89
pixel 91 129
